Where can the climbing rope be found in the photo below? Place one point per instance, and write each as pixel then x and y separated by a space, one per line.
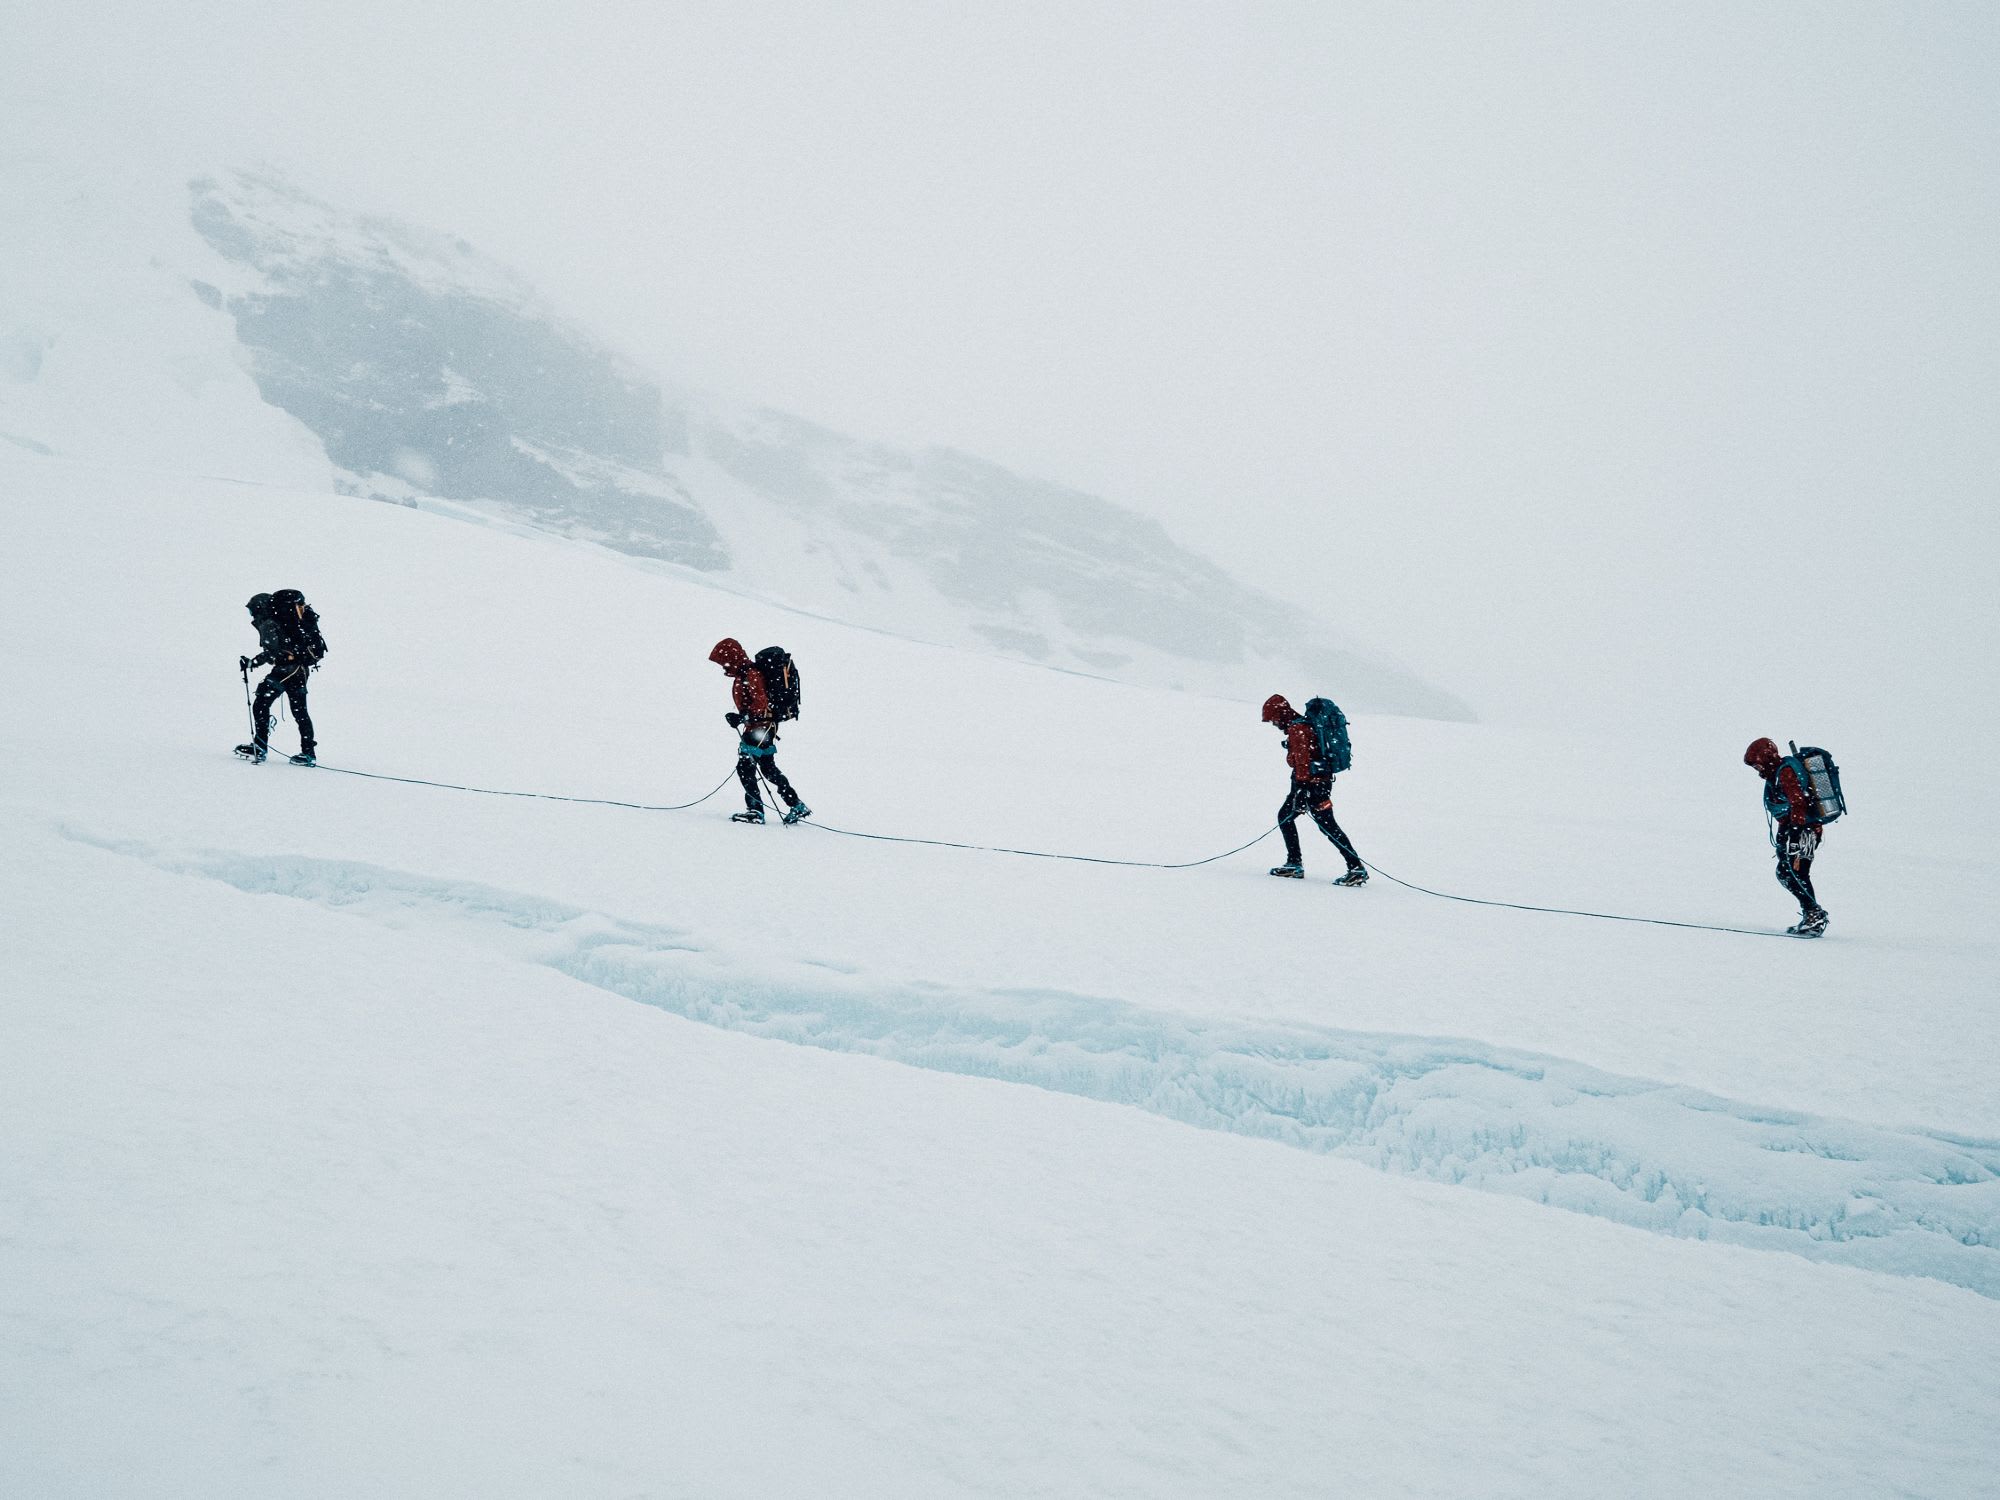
pixel 1147 864
pixel 851 833
pixel 1569 911
pixel 1081 859
pixel 488 791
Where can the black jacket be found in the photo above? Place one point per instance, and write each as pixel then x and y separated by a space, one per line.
pixel 290 637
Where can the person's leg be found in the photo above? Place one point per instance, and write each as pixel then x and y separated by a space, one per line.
pixel 295 694
pixel 260 708
pixel 1322 812
pixel 1288 823
pixel 1795 852
pixel 777 779
pixel 746 772
pixel 1802 863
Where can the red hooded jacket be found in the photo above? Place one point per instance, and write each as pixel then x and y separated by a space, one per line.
pixel 1301 744
pixel 746 682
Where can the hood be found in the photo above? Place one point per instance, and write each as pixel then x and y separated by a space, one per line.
pixel 730 655
pixel 1762 756
pixel 260 606
pixel 1277 710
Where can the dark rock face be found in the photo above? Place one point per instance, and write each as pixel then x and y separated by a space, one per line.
pixel 463 392
pixel 1047 573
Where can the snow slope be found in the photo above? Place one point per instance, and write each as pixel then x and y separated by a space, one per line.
pixel 234 325
pixel 367 1137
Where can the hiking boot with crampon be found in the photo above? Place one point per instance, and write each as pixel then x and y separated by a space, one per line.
pixel 796 812
pixel 747 817
pixel 1810 926
pixel 304 758
pixel 1289 872
pixel 252 753
pixel 1356 876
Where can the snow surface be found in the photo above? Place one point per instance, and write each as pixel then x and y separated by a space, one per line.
pixel 373 1138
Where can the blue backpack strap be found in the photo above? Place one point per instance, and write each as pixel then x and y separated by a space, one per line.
pixel 1776 804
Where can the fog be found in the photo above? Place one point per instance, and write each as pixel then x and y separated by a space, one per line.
pixel 1606 363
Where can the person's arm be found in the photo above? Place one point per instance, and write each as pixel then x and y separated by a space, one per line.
pixel 1299 750
pixel 1797 801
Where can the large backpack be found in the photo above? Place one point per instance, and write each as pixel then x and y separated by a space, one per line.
pixel 297 626
pixel 781 681
pixel 1819 776
pixel 1329 725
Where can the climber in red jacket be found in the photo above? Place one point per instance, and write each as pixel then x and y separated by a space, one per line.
pixel 1311 791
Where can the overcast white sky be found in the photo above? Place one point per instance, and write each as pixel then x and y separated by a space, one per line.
pixel 1564 350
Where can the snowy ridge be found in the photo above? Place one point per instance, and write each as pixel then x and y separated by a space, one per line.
pixel 287 234
pixel 951 548
pixel 225 323
pixel 1663 1157
pixel 425 369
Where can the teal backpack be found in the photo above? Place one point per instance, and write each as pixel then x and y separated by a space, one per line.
pixel 1336 750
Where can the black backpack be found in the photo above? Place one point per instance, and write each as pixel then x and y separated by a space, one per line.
pixel 297 627
pixel 781 681
pixel 1821 779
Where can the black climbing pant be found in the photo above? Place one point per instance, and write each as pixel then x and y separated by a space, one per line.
pixel 1796 848
pixel 1315 797
pixel 749 763
pixel 291 681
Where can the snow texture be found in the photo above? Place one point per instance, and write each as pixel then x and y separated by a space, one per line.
pixel 365 1138
pixel 1665 1158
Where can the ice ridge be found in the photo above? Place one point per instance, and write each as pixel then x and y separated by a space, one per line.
pixel 1654 1155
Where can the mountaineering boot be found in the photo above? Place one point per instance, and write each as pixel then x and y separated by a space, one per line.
pixel 252 753
pixel 1811 925
pixel 304 758
pixel 748 817
pixel 795 812
pixel 1290 872
pixel 1356 876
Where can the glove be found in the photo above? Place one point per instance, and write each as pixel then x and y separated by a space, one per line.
pixel 242 663
pixel 732 720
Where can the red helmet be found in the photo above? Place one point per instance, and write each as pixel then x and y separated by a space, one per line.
pixel 1277 710
pixel 1762 756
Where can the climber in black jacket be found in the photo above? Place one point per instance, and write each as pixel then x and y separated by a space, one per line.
pixel 288 633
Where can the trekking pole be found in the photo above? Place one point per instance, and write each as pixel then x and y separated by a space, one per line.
pixel 247 708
